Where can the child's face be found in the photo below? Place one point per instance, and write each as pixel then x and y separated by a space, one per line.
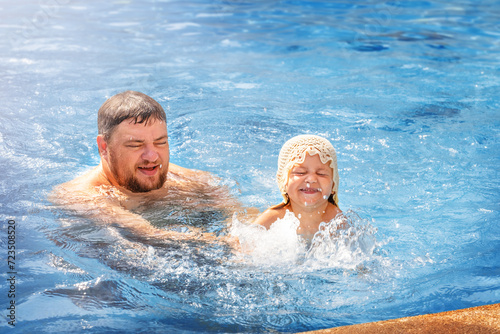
pixel 311 182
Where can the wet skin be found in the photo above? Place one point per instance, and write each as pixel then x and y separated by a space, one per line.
pixel 136 157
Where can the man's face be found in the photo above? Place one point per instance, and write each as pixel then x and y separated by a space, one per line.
pixel 138 155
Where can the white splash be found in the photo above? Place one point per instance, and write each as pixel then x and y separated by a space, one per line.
pixel 278 245
pixel 345 242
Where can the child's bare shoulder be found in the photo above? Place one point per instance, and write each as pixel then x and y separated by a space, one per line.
pixel 332 211
pixel 268 217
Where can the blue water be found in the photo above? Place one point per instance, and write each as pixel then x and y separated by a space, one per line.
pixel 407 91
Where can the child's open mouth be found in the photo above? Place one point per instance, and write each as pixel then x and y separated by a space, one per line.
pixel 310 191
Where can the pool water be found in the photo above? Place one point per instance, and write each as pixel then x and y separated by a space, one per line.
pixel 407 92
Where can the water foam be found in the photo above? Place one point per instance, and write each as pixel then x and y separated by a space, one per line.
pixel 278 245
pixel 345 242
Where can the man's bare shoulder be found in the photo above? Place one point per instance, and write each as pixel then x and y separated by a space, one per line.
pixel 86 185
pixel 202 187
pixel 178 172
pixel 194 180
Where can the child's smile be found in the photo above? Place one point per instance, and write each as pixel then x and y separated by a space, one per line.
pixel 308 190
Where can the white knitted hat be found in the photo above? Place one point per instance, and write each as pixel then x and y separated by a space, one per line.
pixel 294 152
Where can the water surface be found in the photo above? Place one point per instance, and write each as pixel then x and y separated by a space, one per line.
pixel 408 93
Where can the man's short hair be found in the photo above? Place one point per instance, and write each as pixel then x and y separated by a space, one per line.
pixel 127 105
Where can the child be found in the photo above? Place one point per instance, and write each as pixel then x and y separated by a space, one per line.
pixel 308 180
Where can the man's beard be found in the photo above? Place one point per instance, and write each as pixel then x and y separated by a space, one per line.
pixel 130 182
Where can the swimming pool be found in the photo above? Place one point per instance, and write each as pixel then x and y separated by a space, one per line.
pixel 408 93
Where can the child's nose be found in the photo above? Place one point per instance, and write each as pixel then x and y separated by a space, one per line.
pixel 311 178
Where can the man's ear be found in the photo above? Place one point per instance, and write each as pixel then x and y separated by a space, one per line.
pixel 102 146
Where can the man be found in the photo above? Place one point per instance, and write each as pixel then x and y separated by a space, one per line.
pixel 135 169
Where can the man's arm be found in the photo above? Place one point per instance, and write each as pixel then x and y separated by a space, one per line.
pixel 102 204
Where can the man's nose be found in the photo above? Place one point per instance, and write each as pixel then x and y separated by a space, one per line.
pixel 150 153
